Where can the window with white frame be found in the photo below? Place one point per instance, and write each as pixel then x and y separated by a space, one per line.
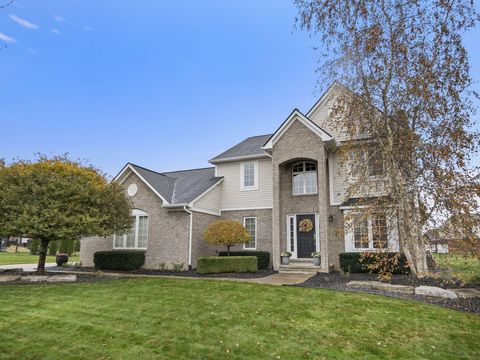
pixel 249 175
pixel 250 223
pixel 304 178
pixel 137 237
pixel 370 232
pixel 362 161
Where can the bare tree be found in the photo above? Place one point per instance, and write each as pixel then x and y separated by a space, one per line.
pixel 409 114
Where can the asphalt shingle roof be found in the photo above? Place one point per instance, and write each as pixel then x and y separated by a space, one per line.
pixel 179 187
pixel 248 147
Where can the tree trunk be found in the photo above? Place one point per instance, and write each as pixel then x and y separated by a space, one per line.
pixel 228 250
pixel 42 257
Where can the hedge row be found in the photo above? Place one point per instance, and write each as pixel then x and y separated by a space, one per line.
pixel 263 257
pixel 227 264
pixel 350 262
pixel 119 259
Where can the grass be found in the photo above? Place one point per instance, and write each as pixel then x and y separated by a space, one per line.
pixel 209 319
pixel 464 268
pixel 26 258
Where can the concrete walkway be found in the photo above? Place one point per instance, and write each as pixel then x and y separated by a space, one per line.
pixel 28 267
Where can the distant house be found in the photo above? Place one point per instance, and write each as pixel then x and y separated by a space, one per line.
pixel 287 188
pixel 450 238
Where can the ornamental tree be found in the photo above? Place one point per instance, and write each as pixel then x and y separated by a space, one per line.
pixel 409 111
pixel 57 198
pixel 226 233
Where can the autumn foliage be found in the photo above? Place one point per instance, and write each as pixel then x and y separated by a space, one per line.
pixel 226 233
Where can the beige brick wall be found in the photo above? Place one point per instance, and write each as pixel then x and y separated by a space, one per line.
pixel 168 231
pixel 264 226
pixel 199 246
pixel 298 143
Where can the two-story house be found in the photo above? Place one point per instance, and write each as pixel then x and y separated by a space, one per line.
pixel 270 183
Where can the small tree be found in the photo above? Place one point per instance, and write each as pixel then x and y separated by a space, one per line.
pixel 57 198
pixel 52 248
pixel 226 233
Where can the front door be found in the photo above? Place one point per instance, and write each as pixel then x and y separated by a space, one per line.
pixel 306 242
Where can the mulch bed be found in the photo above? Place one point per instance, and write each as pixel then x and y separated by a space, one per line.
pixel 337 281
pixel 185 273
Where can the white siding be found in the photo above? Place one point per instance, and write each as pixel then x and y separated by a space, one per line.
pixel 210 201
pixel 231 195
pixel 321 117
pixel 338 177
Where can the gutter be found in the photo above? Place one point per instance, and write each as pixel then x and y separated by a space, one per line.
pixel 190 236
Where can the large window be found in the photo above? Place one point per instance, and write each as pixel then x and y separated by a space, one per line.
pixel 249 175
pixel 370 232
pixel 137 237
pixel 250 224
pixel 375 163
pixel 370 162
pixel 304 178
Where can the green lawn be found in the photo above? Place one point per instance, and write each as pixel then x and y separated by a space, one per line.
pixel 465 268
pixel 26 258
pixel 208 319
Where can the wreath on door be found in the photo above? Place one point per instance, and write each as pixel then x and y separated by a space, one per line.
pixel 305 226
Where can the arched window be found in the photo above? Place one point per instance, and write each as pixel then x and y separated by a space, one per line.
pixel 137 237
pixel 304 178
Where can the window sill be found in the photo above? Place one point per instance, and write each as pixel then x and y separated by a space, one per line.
pixel 309 194
pixel 249 188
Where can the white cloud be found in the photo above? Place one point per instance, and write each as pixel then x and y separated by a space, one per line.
pixel 55 31
pixel 23 22
pixel 6 38
pixel 58 18
pixel 32 51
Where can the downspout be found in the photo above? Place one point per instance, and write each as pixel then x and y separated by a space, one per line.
pixel 190 237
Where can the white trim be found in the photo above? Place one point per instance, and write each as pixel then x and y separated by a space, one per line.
pixel 295 226
pixel 256 237
pixel 247 208
pixel 136 213
pixel 205 211
pixel 296 115
pixel 255 176
pixel 240 158
pixel 330 180
pixel 304 172
pixel 131 168
pixel 190 238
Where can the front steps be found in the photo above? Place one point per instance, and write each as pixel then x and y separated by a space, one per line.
pixel 300 266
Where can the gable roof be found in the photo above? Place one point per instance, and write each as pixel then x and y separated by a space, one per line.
pixel 294 116
pixel 249 148
pixel 175 187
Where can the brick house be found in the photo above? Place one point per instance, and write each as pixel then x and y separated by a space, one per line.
pixel 270 183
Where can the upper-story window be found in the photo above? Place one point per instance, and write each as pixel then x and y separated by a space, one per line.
pixel 137 237
pixel 366 163
pixel 304 178
pixel 249 175
pixel 375 163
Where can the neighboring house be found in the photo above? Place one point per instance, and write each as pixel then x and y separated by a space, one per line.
pixel 270 183
pixel 447 238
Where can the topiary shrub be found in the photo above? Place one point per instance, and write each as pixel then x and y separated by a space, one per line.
pixel 227 264
pixel 350 262
pixel 263 257
pixel 119 259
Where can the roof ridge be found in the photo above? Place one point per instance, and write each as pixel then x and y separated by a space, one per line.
pixel 156 172
pixel 203 168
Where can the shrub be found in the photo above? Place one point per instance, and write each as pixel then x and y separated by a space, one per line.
pixel 119 259
pixel 263 257
pixel 52 247
pixel 34 247
pixel 177 267
pixel 350 262
pixel 66 246
pixel 227 264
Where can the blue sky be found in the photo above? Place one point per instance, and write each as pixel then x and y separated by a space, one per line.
pixel 164 84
